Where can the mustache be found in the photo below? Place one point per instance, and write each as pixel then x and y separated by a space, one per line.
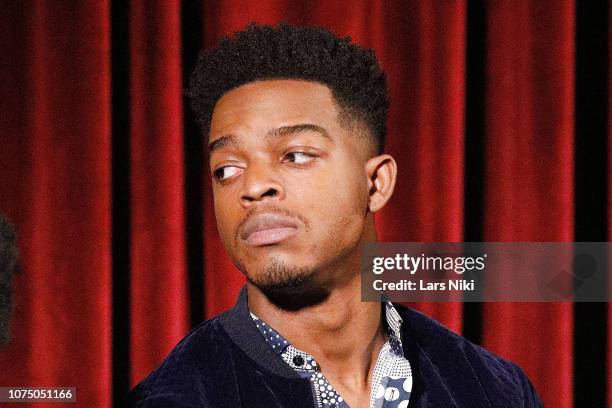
pixel 274 210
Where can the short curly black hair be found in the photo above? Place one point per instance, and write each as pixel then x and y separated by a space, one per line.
pixel 263 52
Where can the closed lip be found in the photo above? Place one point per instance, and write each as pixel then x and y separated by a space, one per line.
pixel 268 229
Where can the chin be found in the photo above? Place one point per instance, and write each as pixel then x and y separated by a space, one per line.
pixel 290 287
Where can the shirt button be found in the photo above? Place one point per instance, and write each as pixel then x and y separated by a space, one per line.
pixel 298 361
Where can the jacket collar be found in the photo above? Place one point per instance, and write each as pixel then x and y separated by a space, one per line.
pixel 238 324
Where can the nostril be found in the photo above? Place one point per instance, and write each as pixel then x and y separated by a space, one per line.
pixel 254 196
pixel 270 193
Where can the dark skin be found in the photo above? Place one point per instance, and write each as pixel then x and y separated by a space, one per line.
pixel 296 184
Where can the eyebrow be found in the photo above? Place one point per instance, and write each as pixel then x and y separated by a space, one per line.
pixel 230 140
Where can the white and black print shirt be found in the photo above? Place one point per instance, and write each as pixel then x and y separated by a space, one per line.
pixel 392 379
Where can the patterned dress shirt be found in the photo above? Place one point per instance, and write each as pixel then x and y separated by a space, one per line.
pixel 391 381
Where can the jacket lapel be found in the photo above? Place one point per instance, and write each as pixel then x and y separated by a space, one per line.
pixel 431 353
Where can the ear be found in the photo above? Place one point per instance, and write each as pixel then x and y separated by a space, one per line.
pixel 382 173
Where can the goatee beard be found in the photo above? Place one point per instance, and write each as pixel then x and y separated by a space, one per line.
pixel 289 287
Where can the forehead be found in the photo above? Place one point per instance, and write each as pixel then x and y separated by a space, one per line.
pixel 270 103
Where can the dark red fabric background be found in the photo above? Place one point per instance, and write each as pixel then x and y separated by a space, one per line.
pixel 57 169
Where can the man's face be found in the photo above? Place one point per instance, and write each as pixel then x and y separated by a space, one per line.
pixel 289 183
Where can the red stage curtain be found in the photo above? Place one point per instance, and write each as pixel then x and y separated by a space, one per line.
pixel 529 168
pixel 57 169
pixel 56 188
pixel 158 283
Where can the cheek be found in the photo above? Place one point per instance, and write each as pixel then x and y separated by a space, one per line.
pixel 339 202
pixel 225 219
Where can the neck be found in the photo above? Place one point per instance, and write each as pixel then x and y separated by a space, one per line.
pixel 342 333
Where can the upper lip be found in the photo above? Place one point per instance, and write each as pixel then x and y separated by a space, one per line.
pixel 265 221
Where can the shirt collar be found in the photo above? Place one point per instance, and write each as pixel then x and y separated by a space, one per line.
pixel 275 340
pixel 394 324
pixel 279 344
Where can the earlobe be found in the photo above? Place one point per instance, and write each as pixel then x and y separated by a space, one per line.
pixel 382 173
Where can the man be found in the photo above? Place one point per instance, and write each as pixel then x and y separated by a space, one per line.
pixel 295 119
pixel 8 265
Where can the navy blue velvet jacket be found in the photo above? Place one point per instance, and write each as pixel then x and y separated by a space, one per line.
pixel 226 362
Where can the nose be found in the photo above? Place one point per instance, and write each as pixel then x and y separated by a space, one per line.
pixel 259 184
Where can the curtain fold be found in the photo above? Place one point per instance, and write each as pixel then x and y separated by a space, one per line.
pixel 529 176
pixel 158 284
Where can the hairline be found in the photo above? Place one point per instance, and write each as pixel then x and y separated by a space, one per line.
pixel 347 118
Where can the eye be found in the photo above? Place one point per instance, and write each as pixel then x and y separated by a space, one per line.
pixel 225 172
pixel 299 157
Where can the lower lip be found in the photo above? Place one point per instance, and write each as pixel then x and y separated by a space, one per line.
pixel 270 236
